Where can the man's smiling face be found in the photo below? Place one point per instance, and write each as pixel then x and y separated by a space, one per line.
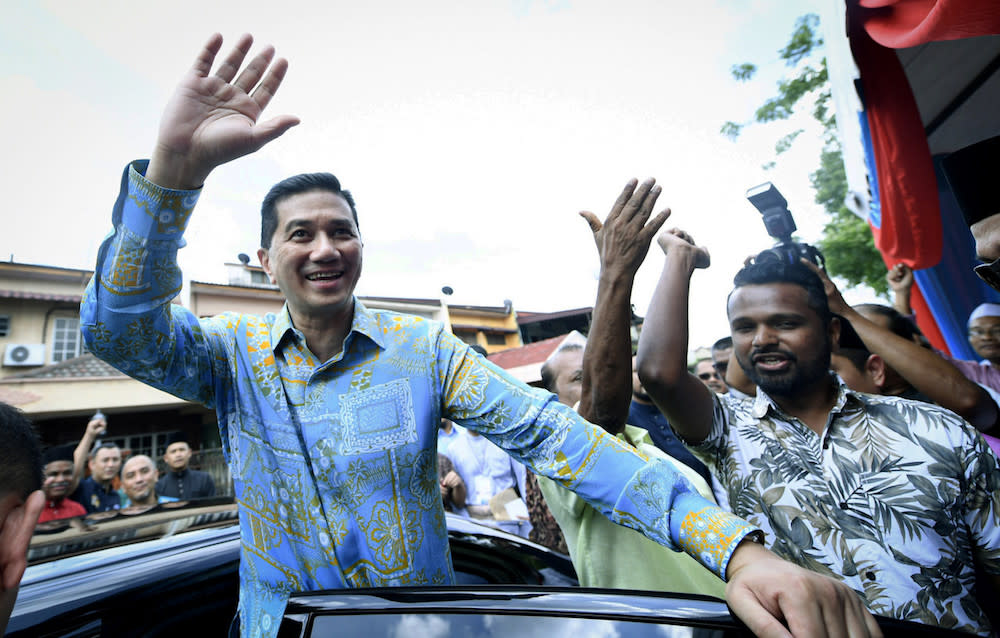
pixel 139 478
pixel 984 336
pixel 780 342
pixel 58 478
pixel 315 255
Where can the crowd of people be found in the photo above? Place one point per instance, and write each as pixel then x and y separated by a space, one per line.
pixel 822 465
pixel 111 484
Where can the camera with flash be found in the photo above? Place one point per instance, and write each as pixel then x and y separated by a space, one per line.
pixel 779 224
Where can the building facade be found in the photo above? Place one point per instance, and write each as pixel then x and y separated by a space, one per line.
pixel 48 374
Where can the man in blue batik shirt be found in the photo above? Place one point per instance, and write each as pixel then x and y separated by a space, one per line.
pixel 329 411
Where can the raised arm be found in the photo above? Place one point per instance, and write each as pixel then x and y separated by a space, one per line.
pixel 900 278
pixel 646 494
pixel 922 368
pixel 213 119
pixel 126 316
pixel 95 428
pixel 622 243
pixel 662 355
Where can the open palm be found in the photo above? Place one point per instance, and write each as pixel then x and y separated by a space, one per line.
pixel 213 119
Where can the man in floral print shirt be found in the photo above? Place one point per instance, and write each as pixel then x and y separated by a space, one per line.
pixel 899 499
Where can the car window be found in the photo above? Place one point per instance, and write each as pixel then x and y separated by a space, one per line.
pixel 499 626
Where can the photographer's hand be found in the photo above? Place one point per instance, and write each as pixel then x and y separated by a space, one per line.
pixel 833 297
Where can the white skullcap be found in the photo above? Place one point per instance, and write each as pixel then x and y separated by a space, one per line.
pixel 574 338
pixel 985 310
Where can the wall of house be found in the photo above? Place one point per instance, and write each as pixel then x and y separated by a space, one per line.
pixel 493 331
pixel 31 322
pixel 84 396
pixel 26 319
pixel 206 304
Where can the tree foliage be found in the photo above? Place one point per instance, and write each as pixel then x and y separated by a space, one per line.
pixel 847 241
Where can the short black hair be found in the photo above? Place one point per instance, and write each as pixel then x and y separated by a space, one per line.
pixel 899 324
pixel 20 454
pixel 478 348
pixel 103 445
pixel 295 185
pixel 780 272
pixel 548 376
pixel 722 344
pixel 851 347
pixel 858 357
pixel 691 368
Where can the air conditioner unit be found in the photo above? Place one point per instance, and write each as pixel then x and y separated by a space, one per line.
pixel 24 354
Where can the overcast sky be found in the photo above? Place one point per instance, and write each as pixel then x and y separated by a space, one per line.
pixel 471 133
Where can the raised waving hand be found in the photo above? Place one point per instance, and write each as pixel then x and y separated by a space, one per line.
pixel 622 243
pixel 214 118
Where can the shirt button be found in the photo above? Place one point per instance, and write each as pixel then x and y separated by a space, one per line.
pixel 870 575
pixel 826 444
pixel 844 505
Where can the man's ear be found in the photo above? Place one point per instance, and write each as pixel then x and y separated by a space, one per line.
pixel 16 528
pixel 875 369
pixel 833 331
pixel 265 262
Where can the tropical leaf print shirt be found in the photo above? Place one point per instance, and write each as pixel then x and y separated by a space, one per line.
pixel 335 462
pixel 898 498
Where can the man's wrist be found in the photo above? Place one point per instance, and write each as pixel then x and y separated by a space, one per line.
pixel 155 212
pixel 616 275
pixel 683 256
pixel 749 549
pixel 171 171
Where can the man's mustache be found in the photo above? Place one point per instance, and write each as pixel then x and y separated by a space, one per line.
pixel 757 353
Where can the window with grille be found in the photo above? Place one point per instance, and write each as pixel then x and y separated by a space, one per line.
pixel 496 339
pixel 66 340
pixel 468 336
pixel 152 445
pixel 4 325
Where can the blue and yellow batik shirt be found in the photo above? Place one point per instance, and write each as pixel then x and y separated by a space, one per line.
pixel 335 462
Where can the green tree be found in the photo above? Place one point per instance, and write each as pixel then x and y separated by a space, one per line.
pixel 847 241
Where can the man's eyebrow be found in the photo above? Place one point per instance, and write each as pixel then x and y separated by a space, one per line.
pixel 778 316
pixel 294 223
pixel 302 222
pixel 341 222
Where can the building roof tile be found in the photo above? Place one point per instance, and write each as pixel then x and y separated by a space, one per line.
pixel 38 296
pixel 533 353
pixel 82 367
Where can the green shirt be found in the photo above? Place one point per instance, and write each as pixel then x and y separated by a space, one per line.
pixel 608 555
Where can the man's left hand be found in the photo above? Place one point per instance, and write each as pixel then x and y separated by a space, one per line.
pixel 777 599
